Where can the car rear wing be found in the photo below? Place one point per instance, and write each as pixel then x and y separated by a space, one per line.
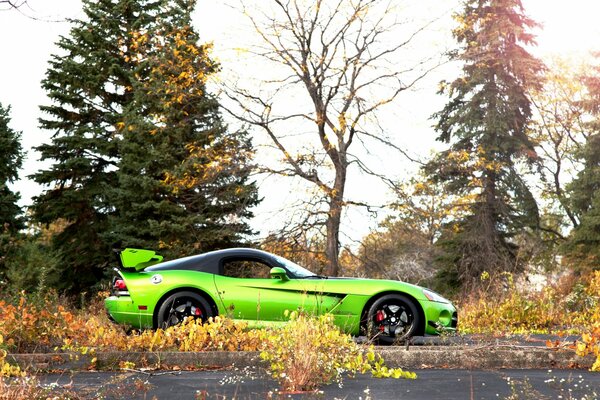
pixel 138 259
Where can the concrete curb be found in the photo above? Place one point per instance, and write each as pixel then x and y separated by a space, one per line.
pixel 486 357
pixel 453 357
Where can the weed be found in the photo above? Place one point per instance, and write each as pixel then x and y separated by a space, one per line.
pixel 7 369
pixel 512 310
pixel 522 390
pixel 29 388
pixel 590 343
pixel 310 351
pixel 572 388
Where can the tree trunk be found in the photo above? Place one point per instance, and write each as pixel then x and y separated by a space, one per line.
pixel 333 242
pixel 336 205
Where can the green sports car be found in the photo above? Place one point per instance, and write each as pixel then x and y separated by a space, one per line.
pixel 258 287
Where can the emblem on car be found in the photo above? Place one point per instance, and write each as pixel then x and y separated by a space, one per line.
pixel 156 279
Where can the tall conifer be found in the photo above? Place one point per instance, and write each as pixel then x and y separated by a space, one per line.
pixel 89 83
pixel 11 160
pixel 484 124
pixel 113 152
pixel 183 179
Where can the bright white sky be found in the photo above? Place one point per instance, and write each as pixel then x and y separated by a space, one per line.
pixel 569 28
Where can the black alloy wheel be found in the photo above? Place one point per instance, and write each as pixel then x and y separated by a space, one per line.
pixel 177 307
pixel 392 319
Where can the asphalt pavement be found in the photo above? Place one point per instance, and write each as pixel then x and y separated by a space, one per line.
pixel 476 352
pixel 250 383
pixel 465 367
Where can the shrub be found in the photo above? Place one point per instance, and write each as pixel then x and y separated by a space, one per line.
pixel 30 324
pixel 590 343
pixel 34 323
pixel 310 351
pixel 590 340
pixel 510 310
pixel 5 368
pixel 192 335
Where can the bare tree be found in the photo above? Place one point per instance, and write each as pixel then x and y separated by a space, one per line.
pixel 8 4
pixel 341 63
pixel 560 131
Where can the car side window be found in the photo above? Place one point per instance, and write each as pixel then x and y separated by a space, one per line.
pixel 246 269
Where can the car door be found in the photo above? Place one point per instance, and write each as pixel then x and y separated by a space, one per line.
pixel 248 292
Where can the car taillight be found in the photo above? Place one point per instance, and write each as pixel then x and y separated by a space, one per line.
pixel 120 285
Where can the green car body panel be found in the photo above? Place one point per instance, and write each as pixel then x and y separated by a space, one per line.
pixel 264 301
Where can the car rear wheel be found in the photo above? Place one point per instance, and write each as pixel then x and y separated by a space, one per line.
pixel 178 306
pixel 391 319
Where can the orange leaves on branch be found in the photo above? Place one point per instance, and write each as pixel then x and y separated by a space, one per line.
pixel 206 165
pixel 39 324
pixel 178 66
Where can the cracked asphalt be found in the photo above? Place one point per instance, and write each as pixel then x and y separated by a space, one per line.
pixel 250 384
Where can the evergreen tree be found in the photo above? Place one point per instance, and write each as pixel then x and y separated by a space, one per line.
pixel 485 124
pixel 89 85
pixel 582 249
pixel 182 177
pixel 109 161
pixel 11 160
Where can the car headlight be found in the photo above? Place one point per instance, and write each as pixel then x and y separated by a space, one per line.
pixel 433 296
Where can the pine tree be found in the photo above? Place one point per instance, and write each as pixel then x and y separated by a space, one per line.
pixel 182 176
pixel 89 85
pixel 582 249
pixel 485 125
pixel 109 162
pixel 11 160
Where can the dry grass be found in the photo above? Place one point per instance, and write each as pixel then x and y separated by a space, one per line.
pixel 570 306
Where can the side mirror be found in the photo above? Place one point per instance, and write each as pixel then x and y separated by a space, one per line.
pixel 279 273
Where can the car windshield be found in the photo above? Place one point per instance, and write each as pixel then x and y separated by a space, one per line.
pixel 298 271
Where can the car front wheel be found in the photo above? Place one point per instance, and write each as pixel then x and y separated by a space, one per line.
pixel 392 318
pixel 178 306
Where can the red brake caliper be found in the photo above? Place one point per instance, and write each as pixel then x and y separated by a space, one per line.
pixel 197 312
pixel 380 317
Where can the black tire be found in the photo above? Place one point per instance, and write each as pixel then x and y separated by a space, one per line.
pixel 181 305
pixel 392 319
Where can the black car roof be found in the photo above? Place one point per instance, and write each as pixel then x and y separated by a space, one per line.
pixel 210 261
